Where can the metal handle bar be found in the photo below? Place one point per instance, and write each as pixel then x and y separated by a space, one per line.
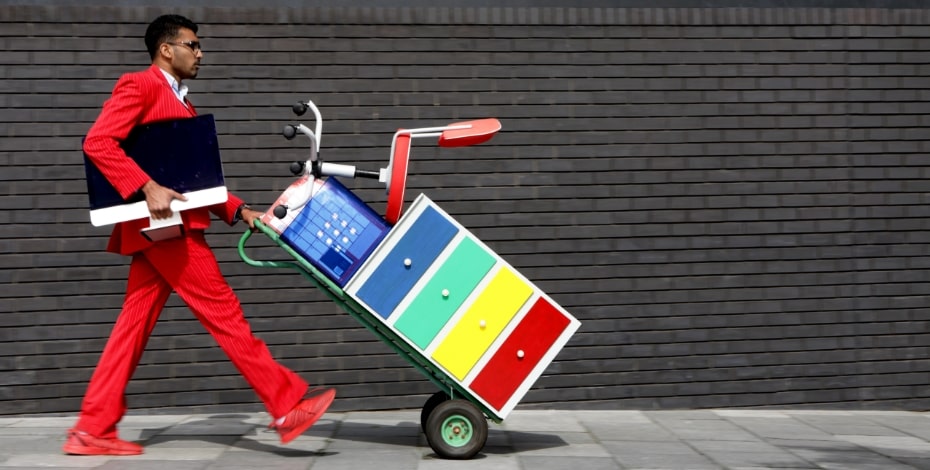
pixel 300 264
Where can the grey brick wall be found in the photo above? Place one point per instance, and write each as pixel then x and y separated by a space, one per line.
pixel 733 201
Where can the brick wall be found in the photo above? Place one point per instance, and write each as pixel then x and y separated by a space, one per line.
pixel 733 201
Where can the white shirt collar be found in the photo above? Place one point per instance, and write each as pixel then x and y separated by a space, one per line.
pixel 179 89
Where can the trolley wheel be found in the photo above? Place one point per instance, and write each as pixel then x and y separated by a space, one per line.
pixel 456 429
pixel 431 405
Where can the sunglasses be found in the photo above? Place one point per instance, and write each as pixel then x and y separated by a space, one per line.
pixel 193 45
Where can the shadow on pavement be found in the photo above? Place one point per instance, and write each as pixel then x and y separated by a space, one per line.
pixel 223 430
pixel 229 430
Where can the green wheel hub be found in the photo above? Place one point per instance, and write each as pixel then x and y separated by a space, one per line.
pixel 456 430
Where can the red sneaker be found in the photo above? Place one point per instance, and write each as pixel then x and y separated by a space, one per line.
pixel 304 415
pixel 81 443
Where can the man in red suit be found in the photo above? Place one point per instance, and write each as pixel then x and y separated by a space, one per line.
pixel 184 264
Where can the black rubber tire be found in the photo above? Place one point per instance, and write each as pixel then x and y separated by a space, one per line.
pixel 431 405
pixel 456 429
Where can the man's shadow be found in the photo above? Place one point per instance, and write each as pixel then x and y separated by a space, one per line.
pixel 229 430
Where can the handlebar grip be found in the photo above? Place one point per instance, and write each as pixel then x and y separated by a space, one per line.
pixel 289 132
pixel 299 108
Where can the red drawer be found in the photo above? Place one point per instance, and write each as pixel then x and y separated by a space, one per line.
pixel 520 353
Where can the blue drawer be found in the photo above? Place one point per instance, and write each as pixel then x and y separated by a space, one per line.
pixel 408 260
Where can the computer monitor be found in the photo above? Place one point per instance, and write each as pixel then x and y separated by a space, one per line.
pixel 180 154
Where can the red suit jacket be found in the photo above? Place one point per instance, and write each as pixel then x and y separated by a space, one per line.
pixel 140 98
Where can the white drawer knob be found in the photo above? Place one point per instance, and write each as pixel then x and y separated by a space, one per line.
pixel 520 354
pixel 408 262
pixel 445 293
pixel 482 324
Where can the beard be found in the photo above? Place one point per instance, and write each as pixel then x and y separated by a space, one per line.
pixel 192 73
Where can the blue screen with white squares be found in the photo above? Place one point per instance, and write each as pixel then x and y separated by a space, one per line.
pixel 335 231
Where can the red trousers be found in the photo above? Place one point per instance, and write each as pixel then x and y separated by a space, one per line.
pixel 187 266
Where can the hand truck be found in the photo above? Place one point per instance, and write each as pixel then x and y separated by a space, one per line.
pixel 421 282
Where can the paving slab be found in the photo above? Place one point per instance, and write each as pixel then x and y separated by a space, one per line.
pixel 661 455
pixel 530 439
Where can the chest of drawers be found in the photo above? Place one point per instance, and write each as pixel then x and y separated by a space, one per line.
pixel 462 307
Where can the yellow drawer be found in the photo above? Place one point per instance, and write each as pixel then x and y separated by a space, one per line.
pixel 483 320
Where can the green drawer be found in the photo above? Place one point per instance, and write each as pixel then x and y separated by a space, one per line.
pixel 445 292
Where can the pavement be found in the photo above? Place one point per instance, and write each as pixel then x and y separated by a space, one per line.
pixel 528 439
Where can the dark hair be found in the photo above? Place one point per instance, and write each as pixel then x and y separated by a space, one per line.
pixel 164 29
